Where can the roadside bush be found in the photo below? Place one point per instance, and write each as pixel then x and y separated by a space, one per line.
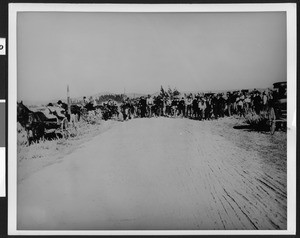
pixel 258 122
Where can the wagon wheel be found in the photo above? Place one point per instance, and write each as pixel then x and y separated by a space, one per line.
pixel 64 128
pixel 84 114
pixel 72 126
pixel 272 119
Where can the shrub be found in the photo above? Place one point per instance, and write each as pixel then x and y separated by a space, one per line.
pixel 258 122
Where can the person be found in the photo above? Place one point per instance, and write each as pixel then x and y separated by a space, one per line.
pixel 230 103
pixel 264 101
pixel 149 102
pixel 110 102
pixel 181 107
pixel 50 112
pixel 174 106
pixel 130 109
pixel 188 104
pixel 202 107
pixel 54 112
pixel 257 103
pixel 208 109
pixel 234 100
pixel 240 106
pixel 222 105
pixel 64 108
pixel 215 106
pixel 125 109
pixel 160 105
pixel 84 102
pixel 93 101
pixel 168 106
pixel 195 107
pixel 62 105
pixel 143 106
pixel 247 103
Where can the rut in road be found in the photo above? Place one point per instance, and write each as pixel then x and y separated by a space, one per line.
pixel 157 173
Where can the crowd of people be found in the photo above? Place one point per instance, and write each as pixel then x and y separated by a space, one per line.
pixel 198 106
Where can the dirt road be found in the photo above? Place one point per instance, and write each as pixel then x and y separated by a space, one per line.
pixel 157 173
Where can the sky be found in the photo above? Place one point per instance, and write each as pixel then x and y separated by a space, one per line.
pixel 139 52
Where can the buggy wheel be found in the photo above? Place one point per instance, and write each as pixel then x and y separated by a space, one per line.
pixel 64 124
pixel 273 128
pixel 64 128
pixel 272 119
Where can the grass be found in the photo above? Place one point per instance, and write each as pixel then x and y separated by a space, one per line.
pixel 32 158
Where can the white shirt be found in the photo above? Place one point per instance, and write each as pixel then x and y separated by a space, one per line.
pixel 202 105
pixel 149 101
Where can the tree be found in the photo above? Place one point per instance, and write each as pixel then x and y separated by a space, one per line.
pixel 170 92
pixel 176 92
pixel 173 93
pixel 163 93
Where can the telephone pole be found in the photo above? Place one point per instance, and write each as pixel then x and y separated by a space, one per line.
pixel 68 100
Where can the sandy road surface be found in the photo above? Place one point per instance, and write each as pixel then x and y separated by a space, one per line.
pixel 156 173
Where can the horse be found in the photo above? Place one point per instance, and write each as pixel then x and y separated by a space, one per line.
pixel 32 122
pixel 76 110
pixel 37 125
pixel 88 111
pixel 75 115
pixel 108 111
pixel 89 107
pixel 113 110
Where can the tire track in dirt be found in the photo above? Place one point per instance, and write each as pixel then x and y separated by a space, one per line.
pixel 267 190
pixel 250 182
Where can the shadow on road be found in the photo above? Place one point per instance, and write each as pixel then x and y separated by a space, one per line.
pixel 252 128
pixel 243 127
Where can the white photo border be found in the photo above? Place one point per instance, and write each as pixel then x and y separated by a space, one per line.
pixel 289 8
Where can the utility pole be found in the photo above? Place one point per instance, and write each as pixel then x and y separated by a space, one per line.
pixel 68 100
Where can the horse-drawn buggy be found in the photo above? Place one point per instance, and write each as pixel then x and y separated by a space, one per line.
pixel 40 123
pixel 109 110
pixel 278 107
pixel 91 112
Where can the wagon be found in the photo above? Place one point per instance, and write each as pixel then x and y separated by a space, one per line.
pixel 58 127
pixel 52 124
pixel 278 107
